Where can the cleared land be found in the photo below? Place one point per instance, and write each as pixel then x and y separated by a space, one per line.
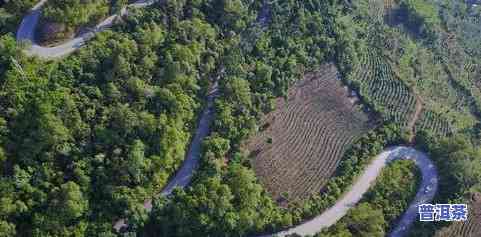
pixel 302 141
pixel 470 228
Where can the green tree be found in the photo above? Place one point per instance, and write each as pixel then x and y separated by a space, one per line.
pixel 75 12
pixel 366 221
pixel 136 162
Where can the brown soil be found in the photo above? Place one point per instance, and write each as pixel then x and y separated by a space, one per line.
pixel 470 228
pixel 301 143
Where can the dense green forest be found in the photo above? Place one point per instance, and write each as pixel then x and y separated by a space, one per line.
pixel 86 139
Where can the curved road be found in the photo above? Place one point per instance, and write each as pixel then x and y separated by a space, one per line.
pixel 183 177
pixel 365 181
pixel 26 32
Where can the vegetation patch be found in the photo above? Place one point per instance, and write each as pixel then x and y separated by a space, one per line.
pixel 86 139
pixel 11 13
pixel 301 143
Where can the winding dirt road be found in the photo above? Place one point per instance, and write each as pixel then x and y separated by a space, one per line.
pixel 183 177
pixel 365 181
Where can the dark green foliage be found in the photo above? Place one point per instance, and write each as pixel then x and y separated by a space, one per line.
pixel 459 163
pixel 11 13
pixel 85 140
pixel 394 190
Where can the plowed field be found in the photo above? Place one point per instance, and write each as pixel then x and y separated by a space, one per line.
pixel 302 141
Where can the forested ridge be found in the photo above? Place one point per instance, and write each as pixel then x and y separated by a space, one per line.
pixel 86 139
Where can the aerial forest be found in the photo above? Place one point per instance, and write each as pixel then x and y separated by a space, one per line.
pixel 86 139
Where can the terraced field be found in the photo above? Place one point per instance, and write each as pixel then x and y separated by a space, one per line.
pixel 470 228
pixel 302 141
pixel 380 87
pixel 434 122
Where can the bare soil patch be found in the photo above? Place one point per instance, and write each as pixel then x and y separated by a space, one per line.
pixel 301 143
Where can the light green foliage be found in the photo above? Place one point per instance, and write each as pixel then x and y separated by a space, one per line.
pixel 425 10
pixel 6 229
pixel 7 50
pixel 136 161
pixel 70 201
pixel 74 13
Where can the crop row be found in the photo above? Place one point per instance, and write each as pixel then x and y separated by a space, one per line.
pixel 434 122
pixel 380 87
pixel 307 136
